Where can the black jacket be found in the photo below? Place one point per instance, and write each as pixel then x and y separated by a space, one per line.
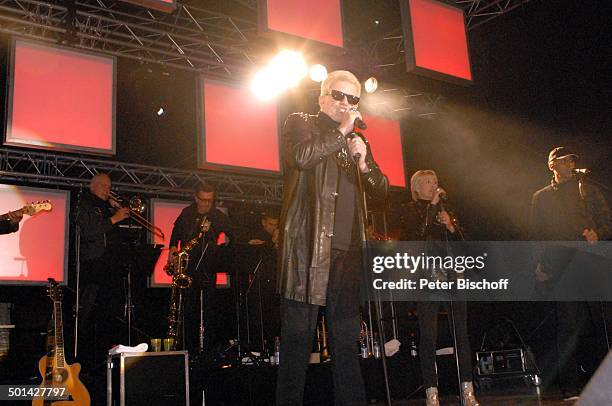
pixel 206 257
pixel 93 218
pixel 559 214
pixel 312 149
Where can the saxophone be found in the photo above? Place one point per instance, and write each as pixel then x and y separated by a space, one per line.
pixel 181 280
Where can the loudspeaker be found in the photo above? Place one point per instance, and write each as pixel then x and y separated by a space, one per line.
pixel 148 378
pixel 599 389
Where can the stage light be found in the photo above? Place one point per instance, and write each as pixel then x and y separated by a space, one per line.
pixel 371 85
pixel 283 71
pixel 318 73
pixel 289 67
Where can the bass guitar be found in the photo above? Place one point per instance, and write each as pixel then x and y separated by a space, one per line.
pixel 58 378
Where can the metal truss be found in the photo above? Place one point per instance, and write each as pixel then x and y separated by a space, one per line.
pixel 479 12
pixel 48 168
pixel 190 38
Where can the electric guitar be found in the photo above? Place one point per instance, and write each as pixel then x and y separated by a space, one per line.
pixel 30 209
pixel 63 379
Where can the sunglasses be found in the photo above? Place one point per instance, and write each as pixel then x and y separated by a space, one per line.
pixel 339 96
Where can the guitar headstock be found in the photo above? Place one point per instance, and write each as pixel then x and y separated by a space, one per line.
pixel 54 290
pixel 32 208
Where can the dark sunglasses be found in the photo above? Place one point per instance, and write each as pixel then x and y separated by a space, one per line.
pixel 339 96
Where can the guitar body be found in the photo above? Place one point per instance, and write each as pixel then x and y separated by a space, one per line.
pixel 55 372
pixel 67 377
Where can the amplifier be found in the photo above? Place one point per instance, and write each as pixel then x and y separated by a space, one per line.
pixel 500 362
pixel 148 378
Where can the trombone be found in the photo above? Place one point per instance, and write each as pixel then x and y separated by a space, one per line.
pixel 136 207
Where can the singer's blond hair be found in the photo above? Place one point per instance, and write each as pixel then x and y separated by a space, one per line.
pixel 336 76
pixel 416 179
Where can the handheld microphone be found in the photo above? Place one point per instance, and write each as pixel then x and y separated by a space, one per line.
pixel 442 195
pixel 581 171
pixel 351 136
pixel 360 124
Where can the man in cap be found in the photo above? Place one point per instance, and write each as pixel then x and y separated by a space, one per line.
pixel 568 209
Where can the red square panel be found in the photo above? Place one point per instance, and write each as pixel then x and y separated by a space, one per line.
pixel 386 143
pixel 163 215
pixel 238 131
pixel 317 20
pixel 435 39
pixel 39 250
pixel 61 99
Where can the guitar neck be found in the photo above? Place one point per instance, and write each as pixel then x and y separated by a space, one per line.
pixel 6 215
pixel 60 360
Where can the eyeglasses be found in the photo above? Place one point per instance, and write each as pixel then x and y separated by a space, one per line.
pixel 339 96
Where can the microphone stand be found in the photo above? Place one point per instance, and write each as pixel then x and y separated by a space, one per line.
pixel 451 310
pixel 78 272
pixel 378 301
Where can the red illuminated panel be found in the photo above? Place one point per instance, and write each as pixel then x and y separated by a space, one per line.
pixel 386 144
pixel 435 39
pixel 39 249
pixel 318 20
pixel 61 99
pixel 238 132
pixel 164 213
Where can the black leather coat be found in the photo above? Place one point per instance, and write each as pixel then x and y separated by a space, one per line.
pixel 312 154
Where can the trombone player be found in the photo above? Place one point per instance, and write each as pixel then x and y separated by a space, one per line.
pixel 96 219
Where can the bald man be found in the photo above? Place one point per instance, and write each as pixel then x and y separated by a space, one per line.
pixel 99 280
pixel 95 217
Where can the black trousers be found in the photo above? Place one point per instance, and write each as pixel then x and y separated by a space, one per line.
pixel 298 323
pixel 574 320
pixel 428 330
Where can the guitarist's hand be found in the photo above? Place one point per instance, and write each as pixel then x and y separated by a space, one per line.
pixel 541 276
pixel 15 217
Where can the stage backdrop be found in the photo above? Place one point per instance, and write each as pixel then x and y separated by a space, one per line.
pixel 385 140
pixel 39 250
pixel 316 20
pixel 435 40
pixel 236 130
pixel 163 214
pixel 59 99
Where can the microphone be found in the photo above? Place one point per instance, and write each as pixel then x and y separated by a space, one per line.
pixel 351 136
pixel 360 124
pixel 580 171
pixel 442 195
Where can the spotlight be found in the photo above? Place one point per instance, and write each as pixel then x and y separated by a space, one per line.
pixel 161 111
pixel 371 85
pixel 283 71
pixel 289 67
pixel 318 73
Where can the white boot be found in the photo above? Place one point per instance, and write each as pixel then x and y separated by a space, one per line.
pixel 467 393
pixel 432 396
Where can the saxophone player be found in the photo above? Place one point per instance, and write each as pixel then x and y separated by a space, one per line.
pixel 205 259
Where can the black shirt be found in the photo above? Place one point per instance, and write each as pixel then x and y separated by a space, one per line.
pixel 206 257
pixel 93 219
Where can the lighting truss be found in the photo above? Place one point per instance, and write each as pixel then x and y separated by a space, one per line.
pixel 74 171
pixel 479 12
pixel 191 38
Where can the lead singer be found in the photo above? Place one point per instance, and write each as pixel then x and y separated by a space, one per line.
pixel 320 256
